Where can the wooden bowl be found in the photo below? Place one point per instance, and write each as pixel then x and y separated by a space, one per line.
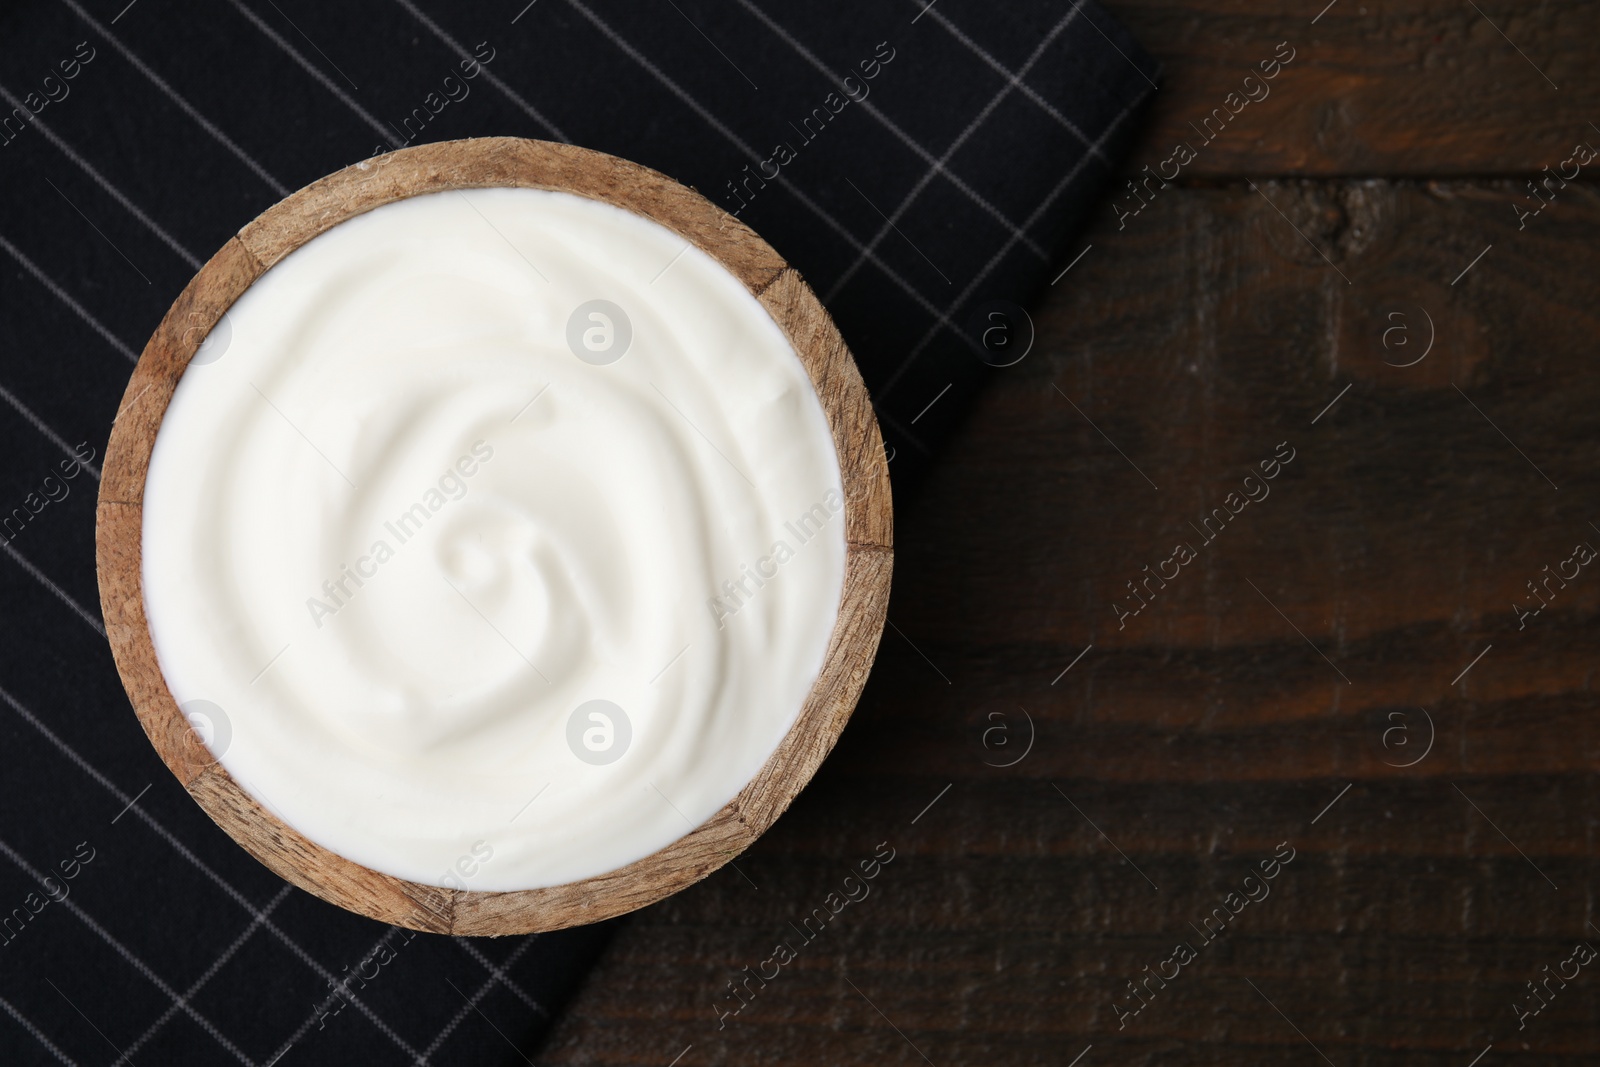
pixel 473 164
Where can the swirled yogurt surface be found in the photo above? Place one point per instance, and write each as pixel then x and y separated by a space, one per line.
pixel 494 539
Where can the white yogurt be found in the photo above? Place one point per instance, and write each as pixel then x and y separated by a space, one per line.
pixel 399 538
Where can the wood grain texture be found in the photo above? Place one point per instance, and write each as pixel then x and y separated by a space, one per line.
pixel 1428 88
pixel 180 333
pixel 455 166
pixel 1217 724
pixel 869 520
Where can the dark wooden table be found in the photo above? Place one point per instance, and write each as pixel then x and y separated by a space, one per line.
pixel 1349 672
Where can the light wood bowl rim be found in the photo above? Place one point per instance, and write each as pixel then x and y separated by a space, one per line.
pixel 490 163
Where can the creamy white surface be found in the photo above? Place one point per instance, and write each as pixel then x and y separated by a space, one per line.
pixel 416 718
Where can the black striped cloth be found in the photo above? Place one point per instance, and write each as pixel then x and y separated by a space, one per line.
pixel 924 165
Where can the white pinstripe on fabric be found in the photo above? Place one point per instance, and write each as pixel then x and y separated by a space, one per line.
pixel 500 975
pixel 343 986
pixel 27 1025
pixel 61 294
pixel 322 79
pixel 206 975
pixel 44 428
pixel 955 146
pixel 472 1002
pixel 128 956
pixel 183 850
pixel 994 260
pixel 834 224
pixel 496 974
pixel 116 194
pixel 906 139
pixel 1014 78
pixel 60 593
pixel 505 90
pixel 183 105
